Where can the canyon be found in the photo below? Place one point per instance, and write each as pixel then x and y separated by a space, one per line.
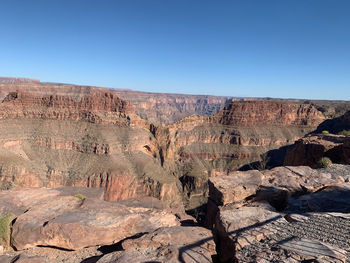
pixel 62 135
pixel 165 161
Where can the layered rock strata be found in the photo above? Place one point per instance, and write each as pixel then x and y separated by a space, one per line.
pixel 235 138
pixel 62 135
pixel 56 135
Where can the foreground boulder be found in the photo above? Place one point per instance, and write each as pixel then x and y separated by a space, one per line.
pixel 258 214
pixel 49 217
pixel 330 199
pixel 310 149
pixel 258 234
pixel 274 185
pixel 235 187
pixel 169 244
pixel 238 227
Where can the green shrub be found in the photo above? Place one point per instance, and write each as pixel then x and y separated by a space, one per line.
pixel 324 162
pixel 5 229
pixel 325 132
pixel 80 196
pixel 345 133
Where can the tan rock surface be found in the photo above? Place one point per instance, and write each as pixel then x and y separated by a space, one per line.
pixel 22 259
pixel 238 227
pixel 310 149
pixel 171 244
pixel 62 221
pixel 235 187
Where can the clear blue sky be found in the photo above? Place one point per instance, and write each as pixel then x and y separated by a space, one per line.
pixel 259 48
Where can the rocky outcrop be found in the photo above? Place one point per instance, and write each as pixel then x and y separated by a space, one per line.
pixel 74 225
pixel 260 112
pixel 171 244
pixel 337 124
pixel 250 211
pixel 235 187
pixel 240 132
pixel 50 217
pixel 98 107
pixel 310 149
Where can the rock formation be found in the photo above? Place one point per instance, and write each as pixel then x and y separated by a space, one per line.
pixel 62 135
pixel 252 225
pixel 310 149
pixel 66 219
pixel 249 222
pixel 59 135
pixel 236 137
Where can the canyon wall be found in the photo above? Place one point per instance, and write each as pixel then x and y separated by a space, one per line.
pixel 198 147
pixel 167 108
pixel 55 135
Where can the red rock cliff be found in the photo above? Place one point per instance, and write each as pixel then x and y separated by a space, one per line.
pixel 259 112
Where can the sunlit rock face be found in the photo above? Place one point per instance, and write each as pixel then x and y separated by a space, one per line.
pixel 59 135
pixel 55 135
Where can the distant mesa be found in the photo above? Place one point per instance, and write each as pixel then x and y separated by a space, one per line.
pixel 8 80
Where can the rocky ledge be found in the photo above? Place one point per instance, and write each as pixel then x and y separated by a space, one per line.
pixel 73 224
pixel 287 214
pixel 310 149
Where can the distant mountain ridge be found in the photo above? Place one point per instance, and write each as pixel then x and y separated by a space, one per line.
pixel 10 80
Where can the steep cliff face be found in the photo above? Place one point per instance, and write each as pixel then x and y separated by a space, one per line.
pixel 167 108
pixel 60 136
pixel 242 126
pixel 98 107
pixel 259 112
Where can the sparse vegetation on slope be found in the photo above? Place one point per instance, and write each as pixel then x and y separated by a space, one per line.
pixel 324 162
pixel 80 196
pixel 344 132
pixel 5 229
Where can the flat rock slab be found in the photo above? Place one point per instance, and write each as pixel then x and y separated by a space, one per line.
pixel 310 237
pixel 169 244
pixel 235 187
pixel 274 185
pixel 314 249
pixel 330 199
pixel 19 201
pixel 69 222
pixel 299 179
pixel 22 259
pixel 240 227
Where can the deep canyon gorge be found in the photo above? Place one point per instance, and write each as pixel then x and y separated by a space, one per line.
pixel 199 154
